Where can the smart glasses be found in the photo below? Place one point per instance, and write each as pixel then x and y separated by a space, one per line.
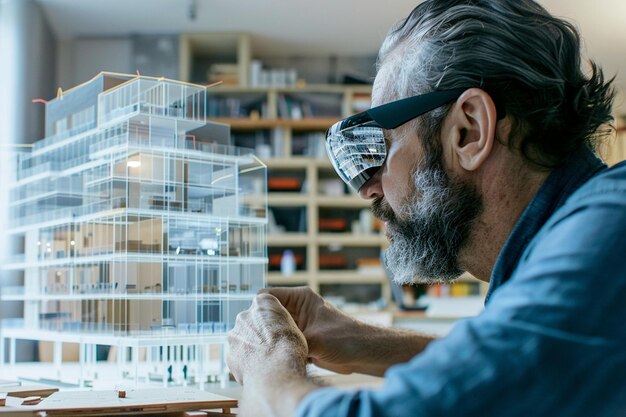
pixel 356 145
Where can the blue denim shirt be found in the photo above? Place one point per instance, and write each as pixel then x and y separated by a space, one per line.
pixel 552 338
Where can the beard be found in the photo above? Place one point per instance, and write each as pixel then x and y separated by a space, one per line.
pixel 432 228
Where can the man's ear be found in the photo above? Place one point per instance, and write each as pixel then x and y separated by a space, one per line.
pixel 472 128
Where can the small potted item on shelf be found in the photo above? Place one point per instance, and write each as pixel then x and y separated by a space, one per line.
pixel 288 263
pixel 275 260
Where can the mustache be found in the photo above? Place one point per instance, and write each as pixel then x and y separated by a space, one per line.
pixel 382 210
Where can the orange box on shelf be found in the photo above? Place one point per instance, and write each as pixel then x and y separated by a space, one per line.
pixel 284 184
pixel 332 261
pixel 333 225
pixel 368 262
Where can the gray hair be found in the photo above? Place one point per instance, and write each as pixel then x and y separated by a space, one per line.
pixel 526 59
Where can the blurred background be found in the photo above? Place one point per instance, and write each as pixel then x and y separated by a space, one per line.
pixel 289 69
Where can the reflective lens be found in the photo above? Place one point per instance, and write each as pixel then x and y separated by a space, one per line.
pixel 356 153
pixel 356 145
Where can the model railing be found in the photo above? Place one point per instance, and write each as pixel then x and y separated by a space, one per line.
pixel 59 323
pixel 38 169
pixel 111 291
pixel 51 140
pixel 153 97
pixel 125 329
pixel 43 161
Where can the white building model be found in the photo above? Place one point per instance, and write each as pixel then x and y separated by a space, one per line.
pixel 138 234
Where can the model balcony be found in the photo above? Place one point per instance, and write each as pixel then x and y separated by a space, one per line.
pixel 125 329
pixel 62 136
pixel 153 97
pixel 61 322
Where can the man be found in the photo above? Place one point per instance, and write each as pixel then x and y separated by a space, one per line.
pixel 479 156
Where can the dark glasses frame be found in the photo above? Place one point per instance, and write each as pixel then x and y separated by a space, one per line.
pixel 396 113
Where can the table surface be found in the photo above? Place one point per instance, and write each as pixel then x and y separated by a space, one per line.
pixel 229 389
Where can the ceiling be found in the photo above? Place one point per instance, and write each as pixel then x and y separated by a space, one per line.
pixel 305 27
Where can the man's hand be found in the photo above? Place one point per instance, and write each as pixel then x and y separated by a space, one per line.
pixel 267 355
pixel 265 340
pixel 333 336
pixel 342 344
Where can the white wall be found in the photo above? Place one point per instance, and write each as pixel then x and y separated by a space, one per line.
pixel 91 56
pixel 79 59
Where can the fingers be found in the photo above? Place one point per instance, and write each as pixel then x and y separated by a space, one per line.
pixel 268 304
pixel 265 331
pixel 265 299
pixel 291 298
pixel 264 319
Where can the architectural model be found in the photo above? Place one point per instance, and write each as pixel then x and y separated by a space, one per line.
pixel 143 230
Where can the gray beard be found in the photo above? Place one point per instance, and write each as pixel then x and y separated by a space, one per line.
pixel 427 236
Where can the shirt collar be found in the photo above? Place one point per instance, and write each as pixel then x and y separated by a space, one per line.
pixel 560 184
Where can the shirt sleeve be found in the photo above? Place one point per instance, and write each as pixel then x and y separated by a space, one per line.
pixel 549 343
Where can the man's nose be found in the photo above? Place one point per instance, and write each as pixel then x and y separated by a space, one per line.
pixel 373 187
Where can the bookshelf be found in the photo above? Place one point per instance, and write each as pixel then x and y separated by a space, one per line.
pixel 335 239
pixel 312 212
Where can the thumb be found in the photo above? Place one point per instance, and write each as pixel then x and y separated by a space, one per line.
pixel 290 297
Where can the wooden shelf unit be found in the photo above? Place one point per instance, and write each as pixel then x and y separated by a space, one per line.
pixel 279 134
